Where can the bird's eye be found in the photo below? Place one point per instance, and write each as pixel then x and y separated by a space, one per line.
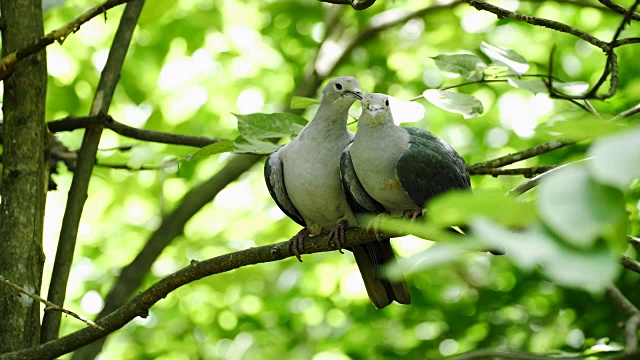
pixel 386 102
pixel 338 86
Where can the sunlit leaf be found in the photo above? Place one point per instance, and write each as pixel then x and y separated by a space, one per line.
pixel 572 88
pixel 248 145
pixel 404 111
pixel 577 208
pixel 506 57
pixel 260 125
pixel 536 86
pixel 299 102
pixel 466 105
pixel 466 65
pixel 616 159
pixel 585 127
pixel 591 269
pixel 436 255
pixel 215 148
pixel 456 208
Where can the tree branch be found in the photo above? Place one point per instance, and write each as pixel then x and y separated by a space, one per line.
pixel 620 302
pixel 527 172
pixel 11 61
pixel 630 264
pixel 140 304
pixel 528 185
pixel 522 155
pixel 49 304
pixel 619 9
pixel 634 241
pixel 356 4
pixel 84 166
pixel 102 120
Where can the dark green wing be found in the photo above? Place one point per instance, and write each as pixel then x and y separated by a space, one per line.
pixel 274 177
pixel 430 167
pixel 357 197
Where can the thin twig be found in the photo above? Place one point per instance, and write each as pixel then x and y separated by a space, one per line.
pixel 49 304
pixel 618 8
pixel 620 302
pixel 10 61
pixel 627 18
pixel 630 112
pixel 528 185
pixel 631 334
pixel 630 264
pixel 71 123
pixel 522 155
pixel 526 172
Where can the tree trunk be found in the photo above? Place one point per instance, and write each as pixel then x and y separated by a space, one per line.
pixel 24 173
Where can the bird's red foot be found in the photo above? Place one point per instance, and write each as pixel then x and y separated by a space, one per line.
pixel 374 225
pixel 412 214
pixel 337 236
pixel 296 243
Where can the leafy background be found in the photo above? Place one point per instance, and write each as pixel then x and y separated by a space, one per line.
pixel 194 63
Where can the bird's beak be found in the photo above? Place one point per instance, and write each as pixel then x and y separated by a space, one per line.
pixel 357 94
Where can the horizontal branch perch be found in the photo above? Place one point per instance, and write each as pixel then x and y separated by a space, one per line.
pixel 10 62
pixel 527 172
pixel 72 123
pixel 140 304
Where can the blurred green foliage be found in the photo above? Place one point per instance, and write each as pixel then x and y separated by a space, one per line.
pixel 194 63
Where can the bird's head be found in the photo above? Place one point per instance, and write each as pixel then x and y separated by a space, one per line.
pixel 375 109
pixel 342 91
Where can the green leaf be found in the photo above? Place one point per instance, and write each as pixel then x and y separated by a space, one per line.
pixel 616 159
pixel 456 208
pixel 436 255
pixel 404 111
pixel 506 57
pixel 248 145
pixel 215 148
pixel 465 65
pixel 586 126
pixel 592 269
pixel 299 102
pixel 260 125
pixel 536 86
pixel 466 105
pixel 577 208
pixel 572 88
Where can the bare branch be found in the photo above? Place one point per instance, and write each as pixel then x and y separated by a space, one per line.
pixel 619 9
pixel 140 304
pixel 627 18
pixel 10 61
pixel 630 264
pixel 549 24
pixel 528 185
pixel 630 112
pixel 71 123
pixel 522 155
pixel 631 334
pixel 634 241
pixel 84 166
pixel 501 354
pixel 527 172
pixel 620 302
pixel 50 305
pixel 356 4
